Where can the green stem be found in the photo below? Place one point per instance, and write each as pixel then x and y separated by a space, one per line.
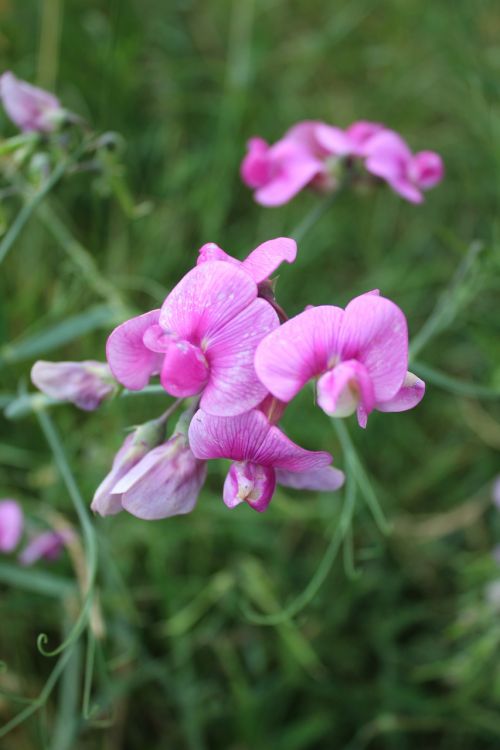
pixel 89 538
pixel 315 215
pixel 454 385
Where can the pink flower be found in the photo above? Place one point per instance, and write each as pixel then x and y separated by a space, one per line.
pixel 261 262
pixel 278 172
pixel 30 108
pixel 263 456
pixel 165 482
pixel 85 384
pixel 47 545
pixel 496 492
pixel 135 446
pixel 202 341
pixel 389 157
pixel 11 525
pixel 360 355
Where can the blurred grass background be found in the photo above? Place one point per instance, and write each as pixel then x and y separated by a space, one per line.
pixel 402 653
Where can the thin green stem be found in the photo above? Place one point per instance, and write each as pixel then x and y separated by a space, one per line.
pixel 454 385
pixel 314 215
pixel 89 538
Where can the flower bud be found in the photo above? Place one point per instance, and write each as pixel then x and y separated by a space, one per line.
pixel 47 545
pixel 11 525
pixel 134 448
pixel 85 384
pixel 29 107
pixel 166 482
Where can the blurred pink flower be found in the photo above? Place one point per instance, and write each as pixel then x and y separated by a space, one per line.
pixel 11 525
pixel 262 456
pixel 202 341
pixel 389 157
pixel 496 492
pixel 360 355
pixel 47 545
pixel 261 262
pixel 135 446
pixel 165 482
pixel 29 107
pixel 85 384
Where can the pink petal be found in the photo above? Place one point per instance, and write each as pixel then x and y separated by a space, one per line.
pixel 409 395
pixel 233 386
pixel 404 187
pixel 211 251
pixel 279 451
pixel 496 492
pixel 374 332
pixel 268 256
pixel 298 350
pixel 208 297
pixel 11 525
pixel 334 140
pixel 341 390
pixel 130 361
pixel 325 479
pixel 250 483
pixel 29 107
pixel 256 166
pixel 426 169
pixel 185 369
pixel 46 545
pixel 388 156
pixel 290 180
pixel 360 134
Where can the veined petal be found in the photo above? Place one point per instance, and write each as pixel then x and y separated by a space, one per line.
pixel 409 395
pixel 210 251
pixel 266 258
pixel 375 333
pixel 207 298
pixel 279 451
pixel 237 438
pixel 131 362
pixel 233 386
pixel 323 479
pixel 250 483
pixel 298 350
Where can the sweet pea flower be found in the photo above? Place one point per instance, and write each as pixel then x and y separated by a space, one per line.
pixel 47 545
pixel 262 456
pixel 261 262
pixel 165 482
pixel 359 354
pixel 29 107
pixel 389 157
pixel 135 446
pixel 278 172
pixel 11 525
pixel 201 342
pixel 85 384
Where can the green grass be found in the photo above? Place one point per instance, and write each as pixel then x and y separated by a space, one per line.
pixel 399 648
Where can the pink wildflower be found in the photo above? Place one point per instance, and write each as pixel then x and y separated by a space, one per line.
pixel 85 384
pixel 47 545
pixel 202 341
pixel 11 525
pixel 261 262
pixel 389 157
pixel 360 355
pixel 29 107
pixel 262 456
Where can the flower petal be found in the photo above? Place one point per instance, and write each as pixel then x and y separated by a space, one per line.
pixel 208 297
pixel 298 350
pixel 266 258
pixel 185 369
pixel 131 362
pixel 325 479
pixel 409 395
pixel 341 390
pixel 250 483
pixel 289 181
pixel 375 333
pixel 11 525
pixel 233 386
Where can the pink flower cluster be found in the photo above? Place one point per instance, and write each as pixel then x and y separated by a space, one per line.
pixel 218 341
pixel 314 154
pixel 46 545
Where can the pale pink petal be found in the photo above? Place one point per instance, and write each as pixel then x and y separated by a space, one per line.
pixel 404 187
pixel 208 297
pixel 250 483
pixel 360 133
pixel 426 169
pixel 11 525
pixel 334 140
pixel 298 350
pixel 29 107
pixel 409 395
pixel 323 479
pixel 279 451
pixel 375 333
pixel 130 361
pixel 211 251
pixel 237 438
pixel 233 385
pixel 46 545
pixel 306 135
pixel 266 258
pixel 86 383
pixel 185 369
pixel 342 389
